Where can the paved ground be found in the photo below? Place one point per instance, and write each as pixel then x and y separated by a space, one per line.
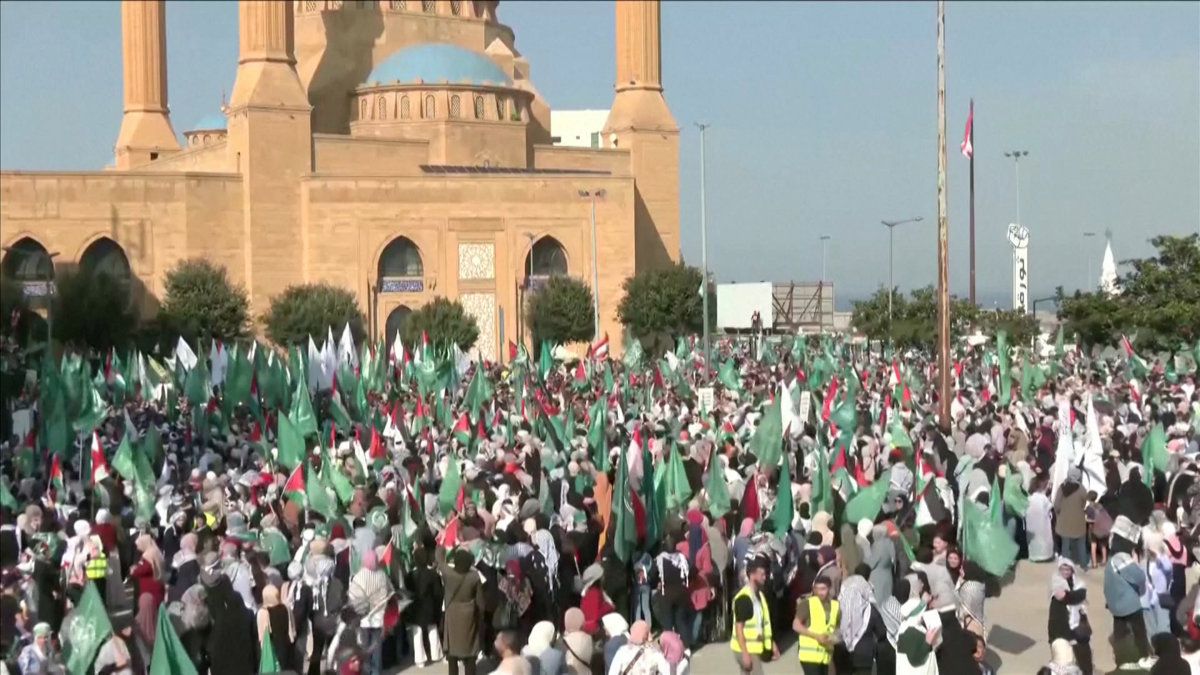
pixel 1018 629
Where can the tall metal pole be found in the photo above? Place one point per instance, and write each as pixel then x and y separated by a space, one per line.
pixel 972 139
pixel 944 394
pixel 1088 254
pixel 824 256
pixel 891 225
pixel 1016 156
pixel 595 277
pixel 704 252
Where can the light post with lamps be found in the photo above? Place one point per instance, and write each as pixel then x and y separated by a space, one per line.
pixel 1088 254
pixel 704 249
pixel 593 195
pixel 891 226
pixel 1016 156
pixel 824 255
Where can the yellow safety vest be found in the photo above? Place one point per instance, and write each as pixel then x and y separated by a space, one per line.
pixel 97 568
pixel 757 630
pixel 809 649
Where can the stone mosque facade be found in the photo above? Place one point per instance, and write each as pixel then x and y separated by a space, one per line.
pixel 397 148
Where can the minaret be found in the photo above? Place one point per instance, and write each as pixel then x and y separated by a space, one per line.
pixel 270 144
pixel 641 122
pixel 146 126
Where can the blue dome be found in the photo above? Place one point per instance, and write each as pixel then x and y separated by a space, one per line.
pixel 209 122
pixel 437 61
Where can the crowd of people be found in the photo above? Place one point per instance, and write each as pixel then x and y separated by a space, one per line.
pixel 797 500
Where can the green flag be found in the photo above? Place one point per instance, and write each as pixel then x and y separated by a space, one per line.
pixel 678 491
pixel 715 486
pixel 302 410
pixel 822 489
pixel 1005 369
pixel 267 663
pixel 451 484
pixel 84 631
pixel 767 442
pixel 866 503
pixel 652 498
pixel 170 658
pixel 290 442
pixel 986 542
pixel 1154 452
pixel 621 519
pixel 728 375
pixel 6 498
pixel 784 510
pixel 1015 497
pixel 316 495
pixel 633 352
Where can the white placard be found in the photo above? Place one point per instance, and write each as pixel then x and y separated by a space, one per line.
pixel 805 406
pixel 1018 237
pixel 706 398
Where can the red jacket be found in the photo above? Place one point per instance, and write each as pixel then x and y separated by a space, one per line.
pixel 146 583
pixel 107 534
pixel 594 607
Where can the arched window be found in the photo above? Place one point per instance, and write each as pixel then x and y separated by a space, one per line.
pixel 478 107
pixel 427 6
pixel 401 258
pixel 395 321
pixel 395 4
pixel 27 260
pixel 310 5
pixel 499 108
pixel 546 259
pixel 430 108
pixel 362 109
pixel 382 108
pixel 106 257
pixel 455 107
pixel 455 7
pixel 405 111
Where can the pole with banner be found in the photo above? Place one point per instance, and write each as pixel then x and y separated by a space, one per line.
pixel 1018 237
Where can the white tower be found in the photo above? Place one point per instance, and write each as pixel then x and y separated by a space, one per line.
pixel 1108 268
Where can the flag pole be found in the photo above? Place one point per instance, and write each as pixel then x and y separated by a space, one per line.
pixel 943 300
pixel 972 139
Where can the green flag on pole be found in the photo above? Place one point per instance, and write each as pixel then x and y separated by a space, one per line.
pixel 169 657
pixel 84 631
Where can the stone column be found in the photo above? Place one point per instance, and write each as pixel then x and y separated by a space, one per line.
pixel 639 52
pixel 265 31
pixel 146 126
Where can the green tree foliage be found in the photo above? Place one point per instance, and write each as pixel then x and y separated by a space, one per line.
pixel 561 311
pixel 201 303
pixel 444 321
pixel 914 318
pixel 92 311
pixel 662 304
pixel 312 309
pixel 1021 327
pixel 1159 303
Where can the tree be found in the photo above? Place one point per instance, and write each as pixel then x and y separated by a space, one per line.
pixel 662 304
pixel 1021 327
pixel 1162 294
pixel 561 311
pixel 444 322
pixel 92 311
pixel 305 310
pixel 1095 318
pixel 914 319
pixel 201 303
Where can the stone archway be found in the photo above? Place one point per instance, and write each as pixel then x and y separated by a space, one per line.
pixel 547 258
pixel 400 267
pixel 105 256
pixel 395 322
pixel 27 261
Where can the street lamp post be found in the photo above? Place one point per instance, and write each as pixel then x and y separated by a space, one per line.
pixel 704 249
pixel 891 226
pixel 1087 254
pixel 1016 156
pixel 824 255
pixel 593 195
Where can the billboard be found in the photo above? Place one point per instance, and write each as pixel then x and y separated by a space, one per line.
pixel 737 303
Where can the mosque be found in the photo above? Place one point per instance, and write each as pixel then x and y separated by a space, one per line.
pixel 397 148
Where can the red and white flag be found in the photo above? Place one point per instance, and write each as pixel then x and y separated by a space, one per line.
pixel 99 465
pixel 599 349
pixel 965 146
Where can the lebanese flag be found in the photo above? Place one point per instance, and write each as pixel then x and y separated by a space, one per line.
pixel 967 149
pixel 599 350
pixel 99 465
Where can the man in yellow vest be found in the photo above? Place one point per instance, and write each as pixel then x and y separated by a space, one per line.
pixel 752 643
pixel 816 623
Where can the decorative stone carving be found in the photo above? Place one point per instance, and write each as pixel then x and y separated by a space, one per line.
pixel 476 261
pixel 482 307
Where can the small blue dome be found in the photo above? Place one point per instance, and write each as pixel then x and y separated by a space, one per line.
pixel 210 122
pixel 436 61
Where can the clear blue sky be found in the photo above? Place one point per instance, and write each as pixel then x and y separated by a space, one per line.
pixel 824 120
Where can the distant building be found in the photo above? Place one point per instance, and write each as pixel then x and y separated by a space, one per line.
pixel 1108 269
pixel 577 128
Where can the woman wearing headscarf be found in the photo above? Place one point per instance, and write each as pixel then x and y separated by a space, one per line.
pixel 228 649
pixel 971 595
pixel 916 640
pixel 673 651
pixel 1067 618
pixel 849 551
pixel 541 567
pixel 39 657
pixel 1039 529
pixel 616 632
pixel 639 656
pixel 889 612
pixel 464 606
pixel 275 624
pixel 191 621
pixel 741 546
pixel 577 644
pixel 1170 658
pixel 185 568
pixel 539 651
pixel 859 628
pixel 1062 659
pixel 425 611
pixel 147 575
pixel 880 559
pixel 694 548
pixel 594 602
pixel 516 598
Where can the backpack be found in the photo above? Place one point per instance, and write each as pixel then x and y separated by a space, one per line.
pixel 325 619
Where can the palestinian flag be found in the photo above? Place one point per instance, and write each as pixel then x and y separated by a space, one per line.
pixel 57 485
pixel 599 349
pixel 462 430
pixel 376 452
pixel 99 464
pixel 1137 365
pixel 728 433
pixel 579 379
pixel 420 419
pixel 294 488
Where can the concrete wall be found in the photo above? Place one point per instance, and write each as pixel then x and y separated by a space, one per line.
pixel 372 156
pixel 614 161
